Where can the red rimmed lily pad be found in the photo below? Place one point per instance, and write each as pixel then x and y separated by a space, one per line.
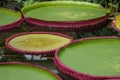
pixel 116 23
pixel 9 18
pixel 37 42
pixel 23 71
pixel 66 14
pixel 90 59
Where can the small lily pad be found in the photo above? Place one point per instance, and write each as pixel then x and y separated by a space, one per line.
pixel 37 42
pixel 9 18
pixel 116 23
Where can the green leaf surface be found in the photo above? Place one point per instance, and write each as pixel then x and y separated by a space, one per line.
pixel 8 16
pixel 64 11
pixel 98 57
pixel 24 72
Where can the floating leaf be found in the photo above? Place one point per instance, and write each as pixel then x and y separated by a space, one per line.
pixel 22 71
pixel 9 18
pixel 65 14
pixel 98 56
pixel 35 43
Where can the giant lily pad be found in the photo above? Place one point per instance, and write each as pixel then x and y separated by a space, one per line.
pixel 65 14
pixel 22 71
pixel 116 23
pixel 91 59
pixel 37 42
pixel 9 18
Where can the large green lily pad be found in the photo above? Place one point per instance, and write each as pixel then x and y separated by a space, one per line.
pixel 37 42
pixel 8 16
pixel 64 11
pixel 98 57
pixel 24 72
